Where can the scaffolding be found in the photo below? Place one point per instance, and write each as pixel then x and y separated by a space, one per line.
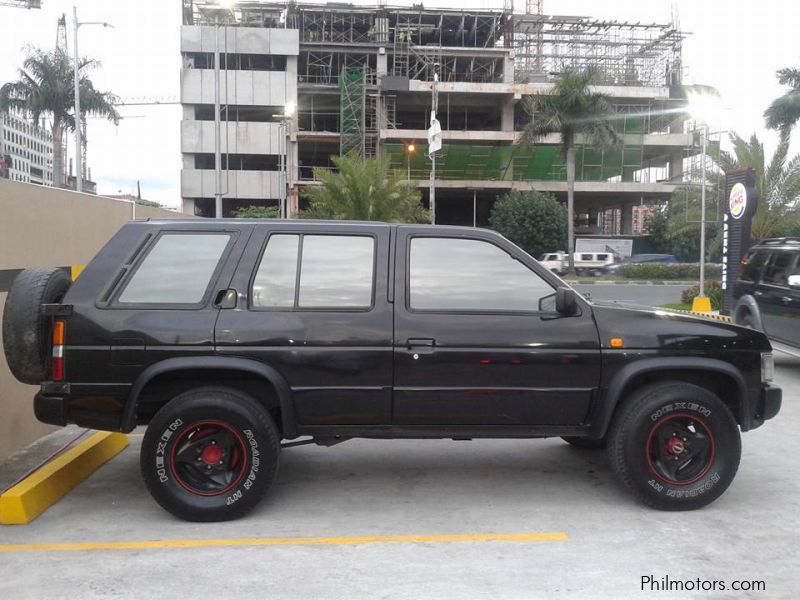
pixel 358 113
pixel 622 53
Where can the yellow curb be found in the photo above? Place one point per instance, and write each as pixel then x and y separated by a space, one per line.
pixel 701 304
pixel 39 491
pixel 723 318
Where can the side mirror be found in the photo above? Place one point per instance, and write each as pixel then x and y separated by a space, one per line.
pixel 565 301
pixel 794 281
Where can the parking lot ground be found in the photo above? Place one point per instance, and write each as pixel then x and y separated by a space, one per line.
pixel 577 534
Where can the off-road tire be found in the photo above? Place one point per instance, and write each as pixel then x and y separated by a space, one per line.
pixel 640 449
pixel 247 445
pixel 26 332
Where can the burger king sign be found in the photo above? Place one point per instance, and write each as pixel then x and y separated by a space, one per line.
pixel 737 201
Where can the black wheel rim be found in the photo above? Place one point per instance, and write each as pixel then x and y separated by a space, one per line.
pixel 208 458
pixel 680 449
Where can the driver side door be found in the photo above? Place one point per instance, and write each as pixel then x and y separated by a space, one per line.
pixel 477 338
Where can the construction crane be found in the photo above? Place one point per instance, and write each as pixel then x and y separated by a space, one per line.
pixel 22 3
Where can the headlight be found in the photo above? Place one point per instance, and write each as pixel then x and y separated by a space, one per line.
pixel 767 367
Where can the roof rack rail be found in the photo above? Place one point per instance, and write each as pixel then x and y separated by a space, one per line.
pixel 780 240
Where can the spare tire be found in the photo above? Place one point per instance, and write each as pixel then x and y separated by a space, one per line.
pixel 26 332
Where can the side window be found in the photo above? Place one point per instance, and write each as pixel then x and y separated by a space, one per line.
pixel 333 271
pixel 177 270
pixel 587 257
pixel 449 274
pixel 779 268
pixel 753 264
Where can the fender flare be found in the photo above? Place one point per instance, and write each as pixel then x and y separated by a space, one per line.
pixel 230 363
pixel 748 302
pixel 612 397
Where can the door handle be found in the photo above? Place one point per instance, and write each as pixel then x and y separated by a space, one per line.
pixel 426 342
pixel 758 293
pixel 786 299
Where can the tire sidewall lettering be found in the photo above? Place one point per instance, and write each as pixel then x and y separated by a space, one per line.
pixel 680 407
pixel 165 476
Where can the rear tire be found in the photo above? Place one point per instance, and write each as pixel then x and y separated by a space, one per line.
pixel 210 454
pixel 26 332
pixel 675 446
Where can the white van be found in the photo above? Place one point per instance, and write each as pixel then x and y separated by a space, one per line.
pixel 555 262
pixel 593 263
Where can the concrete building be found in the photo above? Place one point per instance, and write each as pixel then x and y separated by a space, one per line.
pixel 25 150
pixel 360 78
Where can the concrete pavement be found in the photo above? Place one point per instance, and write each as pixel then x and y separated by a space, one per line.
pixel 400 488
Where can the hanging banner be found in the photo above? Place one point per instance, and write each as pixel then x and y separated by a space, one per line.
pixel 740 202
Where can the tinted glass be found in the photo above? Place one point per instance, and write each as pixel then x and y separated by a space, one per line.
pixel 753 265
pixel 274 283
pixel 337 271
pixel 779 268
pixel 466 275
pixel 177 270
pixel 587 257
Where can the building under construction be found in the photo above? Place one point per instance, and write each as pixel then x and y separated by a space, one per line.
pixel 301 83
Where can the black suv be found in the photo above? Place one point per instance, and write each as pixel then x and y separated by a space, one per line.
pixel 228 337
pixel 767 291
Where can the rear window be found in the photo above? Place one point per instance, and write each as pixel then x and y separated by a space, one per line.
pixel 315 272
pixel 177 269
pixel 779 268
pixel 752 265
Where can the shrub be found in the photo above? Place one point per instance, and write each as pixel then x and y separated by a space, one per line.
pixel 668 271
pixel 713 291
pixel 534 221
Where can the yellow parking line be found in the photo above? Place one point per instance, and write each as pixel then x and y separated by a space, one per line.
pixel 557 536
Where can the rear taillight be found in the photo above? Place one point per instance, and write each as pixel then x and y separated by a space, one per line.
pixel 57 360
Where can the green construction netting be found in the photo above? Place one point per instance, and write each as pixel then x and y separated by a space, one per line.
pixel 512 163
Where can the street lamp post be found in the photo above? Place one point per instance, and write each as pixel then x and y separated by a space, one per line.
pixel 410 149
pixel 77 85
pixel 285 121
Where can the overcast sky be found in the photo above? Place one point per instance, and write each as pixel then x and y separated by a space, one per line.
pixel 735 46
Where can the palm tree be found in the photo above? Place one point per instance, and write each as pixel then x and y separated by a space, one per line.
pixel 46 87
pixel 571 109
pixel 784 112
pixel 364 190
pixel 777 182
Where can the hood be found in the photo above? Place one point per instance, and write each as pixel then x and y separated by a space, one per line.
pixel 645 327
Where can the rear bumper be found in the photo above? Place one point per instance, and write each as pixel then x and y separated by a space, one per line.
pixel 51 409
pixel 95 407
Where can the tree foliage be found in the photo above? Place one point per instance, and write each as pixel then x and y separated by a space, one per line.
pixel 784 111
pixel 363 190
pixel 777 183
pixel 535 221
pixel 46 88
pixel 257 212
pixel 571 109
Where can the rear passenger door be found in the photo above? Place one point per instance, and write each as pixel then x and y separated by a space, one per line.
pixel 478 341
pixel 780 304
pixel 313 304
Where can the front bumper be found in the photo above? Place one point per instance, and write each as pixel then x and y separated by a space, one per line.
pixel 769 402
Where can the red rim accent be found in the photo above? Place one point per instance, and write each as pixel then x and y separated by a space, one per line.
pixel 237 457
pixel 658 424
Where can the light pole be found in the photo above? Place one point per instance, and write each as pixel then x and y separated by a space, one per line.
pixel 285 121
pixel 704 104
pixel 77 84
pixel 411 148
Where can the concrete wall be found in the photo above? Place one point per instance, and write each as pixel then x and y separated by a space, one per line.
pixel 41 227
pixel 237 138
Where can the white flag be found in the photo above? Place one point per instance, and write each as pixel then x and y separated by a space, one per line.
pixel 434 135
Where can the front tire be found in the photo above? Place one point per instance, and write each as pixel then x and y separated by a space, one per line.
pixel 675 446
pixel 210 454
